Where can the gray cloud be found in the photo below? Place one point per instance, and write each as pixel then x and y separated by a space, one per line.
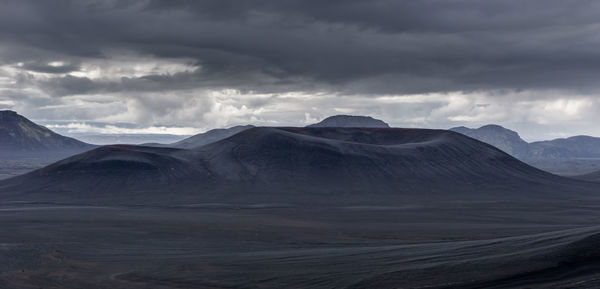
pixel 351 48
pixel 49 68
pixel 424 45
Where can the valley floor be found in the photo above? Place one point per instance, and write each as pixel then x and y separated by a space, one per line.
pixel 13 167
pixel 449 245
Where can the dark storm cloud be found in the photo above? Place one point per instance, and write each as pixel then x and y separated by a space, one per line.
pixel 351 46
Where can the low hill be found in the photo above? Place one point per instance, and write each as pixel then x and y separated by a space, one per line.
pixel 350 121
pixel 308 165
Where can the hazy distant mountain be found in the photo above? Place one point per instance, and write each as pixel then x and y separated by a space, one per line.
pixel 201 139
pixel 18 135
pixel 104 139
pixel 350 121
pixel 505 139
pixel 573 147
pixel 510 142
pixel 570 156
pixel 313 165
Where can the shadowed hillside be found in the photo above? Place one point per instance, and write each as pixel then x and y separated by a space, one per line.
pixel 295 165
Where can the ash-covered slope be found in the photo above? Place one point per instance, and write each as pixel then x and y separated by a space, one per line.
pixel 114 172
pixel 395 160
pixel 20 136
pixel 313 165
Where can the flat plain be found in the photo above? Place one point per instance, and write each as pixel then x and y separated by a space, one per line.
pixel 444 245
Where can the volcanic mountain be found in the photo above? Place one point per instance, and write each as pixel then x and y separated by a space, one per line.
pixel 20 136
pixel 350 121
pixel 288 164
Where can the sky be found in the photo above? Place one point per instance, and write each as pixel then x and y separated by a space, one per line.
pixel 183 67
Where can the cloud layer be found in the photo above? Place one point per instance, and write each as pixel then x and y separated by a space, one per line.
pixel 530 65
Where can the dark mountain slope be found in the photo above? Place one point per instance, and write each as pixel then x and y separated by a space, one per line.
pixel 366 160
pixel 350 121
pixel 109 172
pixel 20 136
pixel 311 165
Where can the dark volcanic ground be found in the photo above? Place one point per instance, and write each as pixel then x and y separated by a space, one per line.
pixel 445 245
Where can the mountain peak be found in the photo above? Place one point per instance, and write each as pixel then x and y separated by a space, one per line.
pixel 8 112
pixel 493 126
pixel 351 121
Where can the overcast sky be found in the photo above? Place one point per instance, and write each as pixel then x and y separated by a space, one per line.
pixel 182 67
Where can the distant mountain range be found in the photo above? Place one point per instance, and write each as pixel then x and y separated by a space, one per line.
pixel 129 138
pixel 218 134
pixel 507 140
pixel 510 142
pixel 21 137
pixel 572 147
pixel 313 165
pixel 567 156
